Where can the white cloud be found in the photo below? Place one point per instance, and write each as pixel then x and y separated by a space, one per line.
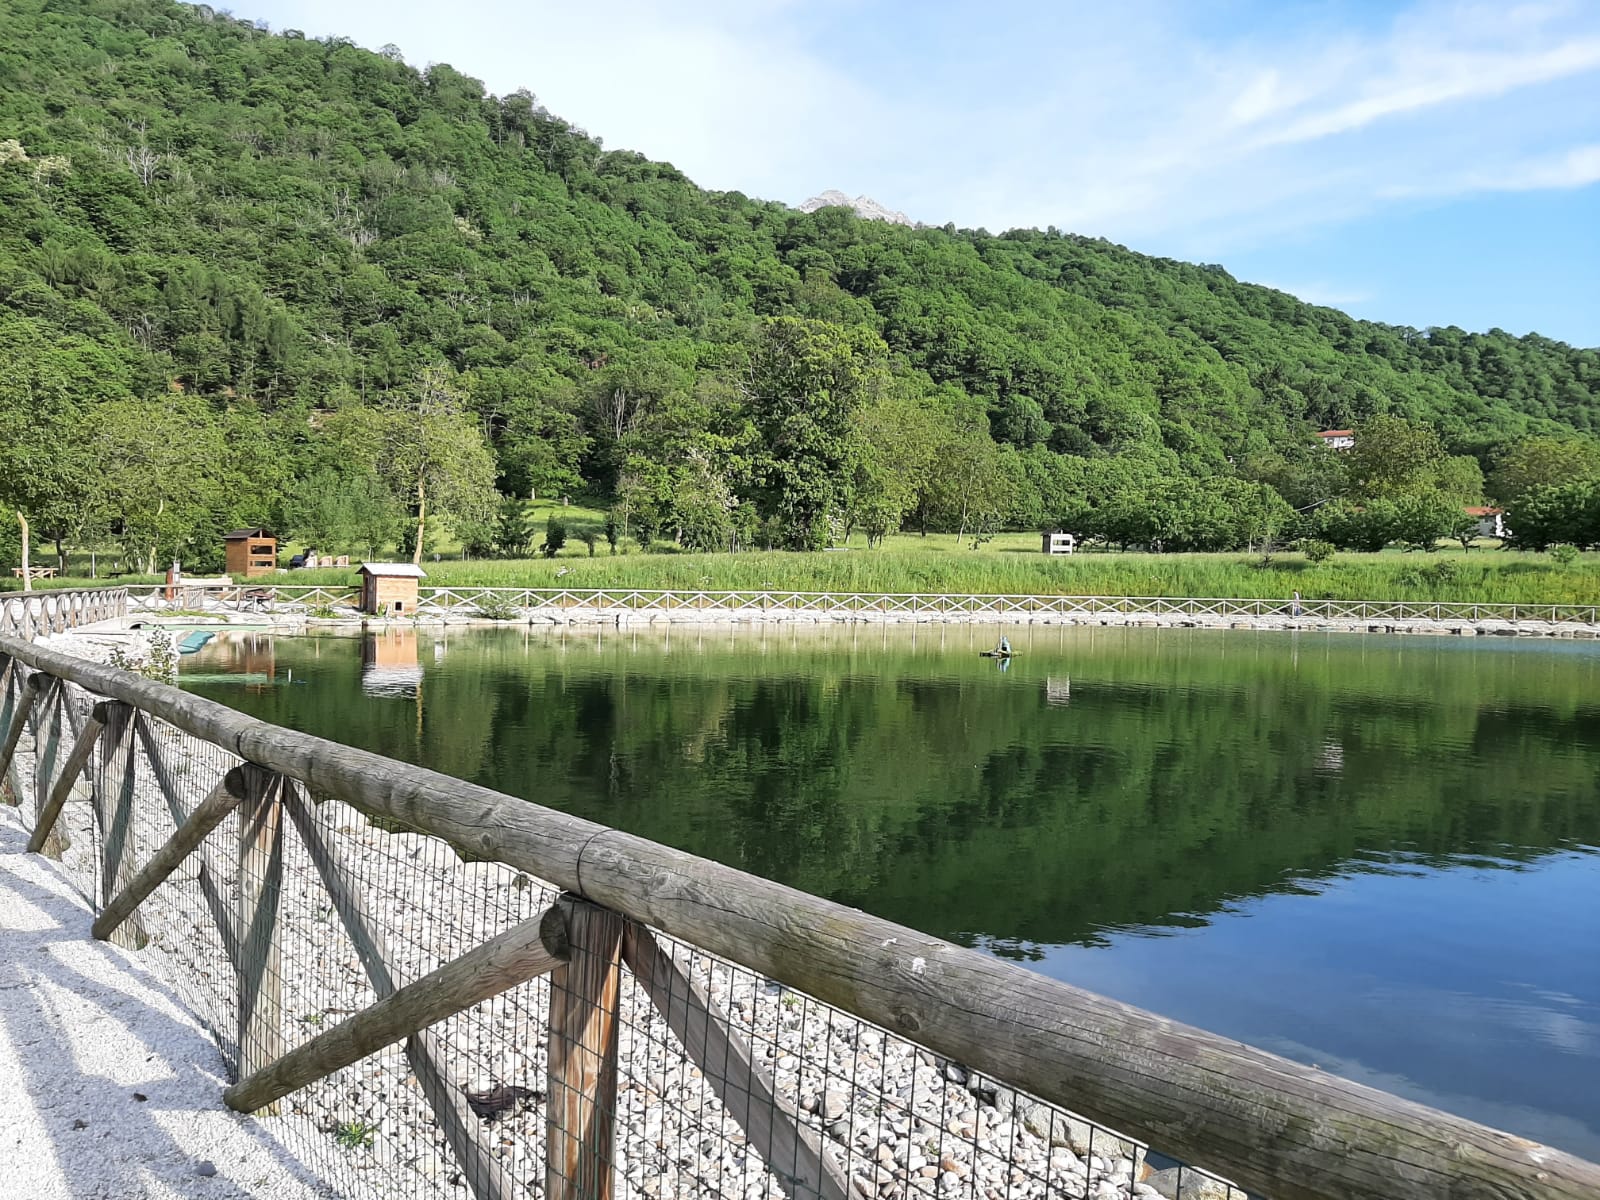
pixel 1431 79
pixel 1144 123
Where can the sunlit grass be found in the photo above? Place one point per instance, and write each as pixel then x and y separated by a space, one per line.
pixel 1012 564
pixel 908 564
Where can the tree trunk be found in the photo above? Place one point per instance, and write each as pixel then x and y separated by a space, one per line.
pixel 422 518
pixel 27 575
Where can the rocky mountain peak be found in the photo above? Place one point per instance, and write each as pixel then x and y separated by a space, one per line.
pixel 863 206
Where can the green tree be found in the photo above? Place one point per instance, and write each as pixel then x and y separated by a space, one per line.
pixel 806 382
pixel 897 439
pixel 972 485
pixel 44 468
pixel 433 454
pixel 159 485
pixel 1421 520
pixel 1368 527
pixel 10 538
pixel 344 507
pixel 1550 514
pixel 1393 457
pixel 513 532
pixel 1544 462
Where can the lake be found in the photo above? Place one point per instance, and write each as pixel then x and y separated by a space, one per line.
pixel 1377 854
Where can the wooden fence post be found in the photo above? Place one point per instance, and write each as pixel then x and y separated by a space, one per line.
pixel 260 891
pixel 581 1093
pixel 7 705
pixel 113 798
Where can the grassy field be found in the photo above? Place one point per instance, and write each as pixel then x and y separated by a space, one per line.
pixel 1012 563
pixel 1015 565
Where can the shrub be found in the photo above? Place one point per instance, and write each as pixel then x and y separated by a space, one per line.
pixel 1316 550
pixel 589 536
pixel 159 661
pixel 496 609
pixel 1564 554
pixel 513 531
pixel 555 536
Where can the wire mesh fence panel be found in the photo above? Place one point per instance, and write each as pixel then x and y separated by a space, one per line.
pixel 456 1106
pixel 735 1085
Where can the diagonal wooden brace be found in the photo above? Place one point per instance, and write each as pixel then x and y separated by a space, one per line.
pixel 77 759
pixel 31 690
pixel 208 814
pixel 514 957
pixel 792 1150
pixel 221 911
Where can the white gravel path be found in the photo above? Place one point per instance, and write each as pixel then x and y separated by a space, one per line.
pixel 109 1088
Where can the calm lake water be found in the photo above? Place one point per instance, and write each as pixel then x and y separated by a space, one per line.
pixel 1379 855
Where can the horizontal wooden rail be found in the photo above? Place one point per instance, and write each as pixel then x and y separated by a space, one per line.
pixel 1277 1127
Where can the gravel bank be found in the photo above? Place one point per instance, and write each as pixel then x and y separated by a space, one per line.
pixel 108 1086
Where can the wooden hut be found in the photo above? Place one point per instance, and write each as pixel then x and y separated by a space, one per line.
pixel 389 589
pixel 251 552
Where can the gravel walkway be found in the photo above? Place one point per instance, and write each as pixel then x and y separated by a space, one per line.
pixel 108 1087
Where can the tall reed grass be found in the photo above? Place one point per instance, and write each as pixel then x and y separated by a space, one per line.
pixel 1482 576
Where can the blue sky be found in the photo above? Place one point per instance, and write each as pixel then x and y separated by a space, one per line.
pixel 1426 163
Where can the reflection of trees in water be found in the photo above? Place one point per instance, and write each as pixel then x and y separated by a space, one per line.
pixel 1185 772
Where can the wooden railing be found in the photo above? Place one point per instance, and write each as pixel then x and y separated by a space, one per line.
pixel 466 601
pixel 633 909
pixel 39 614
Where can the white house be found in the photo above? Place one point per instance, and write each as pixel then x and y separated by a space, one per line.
pixel 1338 439
pixel 1491 521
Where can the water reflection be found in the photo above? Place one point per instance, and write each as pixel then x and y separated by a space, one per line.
pixel 389 665
pixel 1370 850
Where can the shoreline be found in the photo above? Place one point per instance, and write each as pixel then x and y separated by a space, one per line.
pixel 294 621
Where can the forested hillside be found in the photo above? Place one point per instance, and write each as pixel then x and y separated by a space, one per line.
pixel 253 277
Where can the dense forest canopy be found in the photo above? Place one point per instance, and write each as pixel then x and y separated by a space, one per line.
pixel 254 277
